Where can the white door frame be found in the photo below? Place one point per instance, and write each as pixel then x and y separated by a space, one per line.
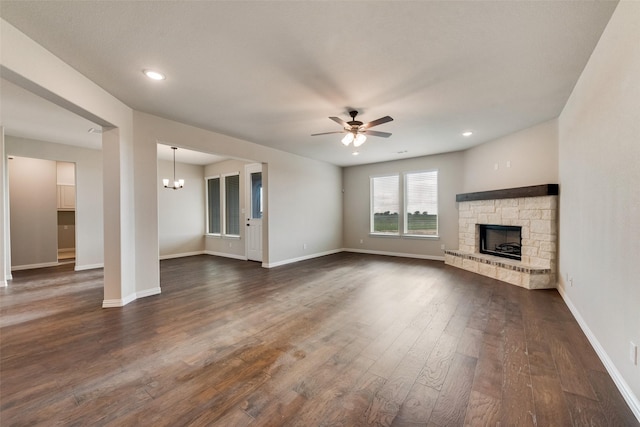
pixel 253 226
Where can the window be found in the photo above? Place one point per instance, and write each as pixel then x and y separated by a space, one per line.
pixel 418 199
pixel 223 205
pixel 256 195
pixel 213 205
pixel 421 203
pixel 232 204
pixel 385 204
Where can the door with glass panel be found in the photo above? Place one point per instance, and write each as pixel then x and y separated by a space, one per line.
pixel 253 211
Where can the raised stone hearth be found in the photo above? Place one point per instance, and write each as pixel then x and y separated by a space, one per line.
pixel 532 208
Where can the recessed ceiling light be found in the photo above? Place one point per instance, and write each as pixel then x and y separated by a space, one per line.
pixel 467 133
pixel 355 153
pixel 401 152
pixel 94 130
pixel 154 75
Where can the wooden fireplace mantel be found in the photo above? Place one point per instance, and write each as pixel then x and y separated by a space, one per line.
pixel 511 193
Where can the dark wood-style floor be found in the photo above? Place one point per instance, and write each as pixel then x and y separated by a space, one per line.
pixel 342 340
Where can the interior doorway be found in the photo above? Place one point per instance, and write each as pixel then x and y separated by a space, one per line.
pixel 66 192
pixel 42 212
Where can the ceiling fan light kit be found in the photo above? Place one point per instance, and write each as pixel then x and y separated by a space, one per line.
pixel 357 131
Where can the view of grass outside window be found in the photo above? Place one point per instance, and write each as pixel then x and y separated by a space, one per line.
pixel 385 204
pixel 419 203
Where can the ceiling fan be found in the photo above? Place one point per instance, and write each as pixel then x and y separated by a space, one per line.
pixel 357 131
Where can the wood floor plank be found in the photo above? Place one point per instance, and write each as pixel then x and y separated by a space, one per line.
pixel 470 342
pixel 452 403
pixel 572 375
pixel 342 340
pixel 585 412
pixel 355 406
pixel 437 366
pixel 484 410
pixel 517 398
pixel 417 406
pixel 614 410
pixel 548 397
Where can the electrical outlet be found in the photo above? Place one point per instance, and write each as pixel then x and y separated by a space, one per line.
pixel 508 163
pixel 495 166
pixel 361 241
pixel 442 247
pixel 304 246
pixel 633 353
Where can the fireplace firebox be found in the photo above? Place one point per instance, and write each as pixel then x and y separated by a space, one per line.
pixel 501 240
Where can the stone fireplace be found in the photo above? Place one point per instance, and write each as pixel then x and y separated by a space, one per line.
pixel 529 211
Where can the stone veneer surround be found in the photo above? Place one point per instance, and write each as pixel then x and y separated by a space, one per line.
pixel 537 215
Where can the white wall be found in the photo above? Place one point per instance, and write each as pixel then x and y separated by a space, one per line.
pixel 181 213
pixel 357 206
pixel 89 224
pixel 599 162
pixel 33 212
pixel 303 197
pixel 528 157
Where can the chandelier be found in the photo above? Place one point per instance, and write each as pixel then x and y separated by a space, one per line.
pixel 177 183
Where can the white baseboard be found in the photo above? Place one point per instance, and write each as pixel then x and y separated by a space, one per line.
pixel 182 255
pixel 88 267
pixel 3 284
pixel 32 266
pixel 298 259
pixel 625 390
pixel 111 303
pixel 8 276
pixel 121 302
pixel 148 292
pixel 226 255
pixel 398 254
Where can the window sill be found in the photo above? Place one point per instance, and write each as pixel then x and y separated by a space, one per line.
pixel 223 236
pixel 383 235
pixel 421 236
pixel 406 236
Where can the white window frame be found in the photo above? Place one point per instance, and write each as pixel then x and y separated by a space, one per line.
pixel 405 200
pixel 223 201
pixel 372 232
pixel 402 203
pixel 206 195
pixel 223 196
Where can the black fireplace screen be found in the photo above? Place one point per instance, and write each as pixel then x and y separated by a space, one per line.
pixel 501 240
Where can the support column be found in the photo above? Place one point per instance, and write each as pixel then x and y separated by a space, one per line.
pixel 119 214
pixel 5 249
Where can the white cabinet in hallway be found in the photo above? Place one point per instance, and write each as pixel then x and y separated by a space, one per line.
pixel 66 197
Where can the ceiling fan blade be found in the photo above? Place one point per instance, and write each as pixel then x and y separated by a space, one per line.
pixel 376 133
pixel 380 121
pixel 328 133
pixel 341 122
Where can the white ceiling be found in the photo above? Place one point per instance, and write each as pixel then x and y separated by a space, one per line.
pixel 29 116
pixel 272 72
